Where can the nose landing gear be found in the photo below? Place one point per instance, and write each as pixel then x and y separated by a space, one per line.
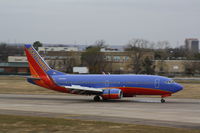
pixel 163 96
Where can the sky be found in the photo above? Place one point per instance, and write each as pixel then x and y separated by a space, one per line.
pixel 85 21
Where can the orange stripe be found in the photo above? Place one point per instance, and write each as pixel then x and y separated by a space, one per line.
pixel 33 72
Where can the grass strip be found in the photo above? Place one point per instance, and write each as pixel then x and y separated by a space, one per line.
pixel 28 124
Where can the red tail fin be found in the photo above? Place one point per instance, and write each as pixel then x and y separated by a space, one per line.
pixel 40 70
pixel 38 67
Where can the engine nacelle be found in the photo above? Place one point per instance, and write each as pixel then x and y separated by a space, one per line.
pixel 112 94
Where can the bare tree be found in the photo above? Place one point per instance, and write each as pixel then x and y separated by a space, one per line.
pixel 100 43
pixel 192 67
pixel 148 66
pixel 139 43
pixel 10 50
pixel 93 59
pixel 136 48
pixel 3 52
pixel 52 62
pixel 69 64
pixel 163 45
pixel 152 45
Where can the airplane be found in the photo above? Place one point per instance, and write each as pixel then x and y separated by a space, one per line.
pixel 103 87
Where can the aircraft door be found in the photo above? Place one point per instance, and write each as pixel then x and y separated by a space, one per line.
pixel 157 83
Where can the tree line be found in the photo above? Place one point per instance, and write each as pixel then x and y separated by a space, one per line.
pixel 95 60
pixel 161 50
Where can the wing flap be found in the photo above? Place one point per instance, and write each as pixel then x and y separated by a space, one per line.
pixel 83 90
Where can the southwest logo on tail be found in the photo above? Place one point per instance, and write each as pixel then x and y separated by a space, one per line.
pixel 38 59
pixel 34 59
pixel 103 87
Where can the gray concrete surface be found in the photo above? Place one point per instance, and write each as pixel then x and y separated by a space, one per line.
pixel 149 111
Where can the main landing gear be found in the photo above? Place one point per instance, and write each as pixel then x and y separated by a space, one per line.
pixel 162 100
pixel 97 98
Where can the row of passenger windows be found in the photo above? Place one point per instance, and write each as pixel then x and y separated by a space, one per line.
pixel 77 82
pixel 81 82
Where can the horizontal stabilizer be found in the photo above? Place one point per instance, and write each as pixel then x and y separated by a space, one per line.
pixel 31 77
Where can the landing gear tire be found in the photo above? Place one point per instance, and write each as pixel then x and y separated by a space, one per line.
pixel 97 98
pixel 162 100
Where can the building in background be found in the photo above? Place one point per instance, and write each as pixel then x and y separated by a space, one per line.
pixel 109 50
pixel 116 62
pixel 58 49
pixel 62 60
pixel 121 62
pixel 80 70
pixel 17 59
pixel 192 44
pixel 177 67
pixel 15 65
pixel 14 68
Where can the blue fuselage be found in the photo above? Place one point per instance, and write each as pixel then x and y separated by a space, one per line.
pixel 128 82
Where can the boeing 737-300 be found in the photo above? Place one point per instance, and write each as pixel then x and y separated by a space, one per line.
pixel 105 87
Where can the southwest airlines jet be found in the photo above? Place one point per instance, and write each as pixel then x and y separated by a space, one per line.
pixel 103 87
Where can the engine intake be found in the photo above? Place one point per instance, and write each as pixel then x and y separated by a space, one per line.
pixel 112 94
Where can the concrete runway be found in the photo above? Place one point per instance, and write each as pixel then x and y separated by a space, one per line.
pixel 184 113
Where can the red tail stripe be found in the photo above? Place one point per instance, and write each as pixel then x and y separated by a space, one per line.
pixel 33 63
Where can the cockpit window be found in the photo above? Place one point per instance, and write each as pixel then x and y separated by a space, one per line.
pixel 170 82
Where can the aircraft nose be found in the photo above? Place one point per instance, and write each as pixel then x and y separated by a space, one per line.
pixel 178 87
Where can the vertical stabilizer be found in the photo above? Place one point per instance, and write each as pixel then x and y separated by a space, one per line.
pixel 38 67
pixel 40 71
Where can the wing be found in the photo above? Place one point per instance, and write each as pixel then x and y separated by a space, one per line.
pixel 76 89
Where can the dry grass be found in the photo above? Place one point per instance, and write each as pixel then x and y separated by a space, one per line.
pixel 26 124
pixel 19 85
pixel 191 90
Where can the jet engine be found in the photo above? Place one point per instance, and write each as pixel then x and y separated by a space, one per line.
pixel 112 94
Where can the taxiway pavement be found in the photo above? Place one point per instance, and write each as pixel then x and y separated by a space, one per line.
pixel 184 113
